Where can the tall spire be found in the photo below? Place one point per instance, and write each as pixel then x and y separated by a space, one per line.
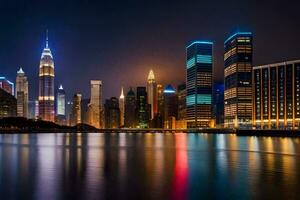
pixel 47 38
pixel 20 71
pixel 122 94
pixel 151 76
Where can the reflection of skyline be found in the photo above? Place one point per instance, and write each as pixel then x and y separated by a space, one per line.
pixel 158 165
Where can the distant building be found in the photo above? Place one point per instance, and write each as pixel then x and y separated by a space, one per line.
pixel 122 108
pixel 6 85
pixel 170 107
pixel 238 78
pixel 276 98
pixel 22 94
pixel 85 115
pixel 112 113
pixel 76 110
pixel 181 99
pixel 199 66
pixel 152 93
pixel 8 104
pixel 218 108
pixel 46 85
pixel 142 107
pixel 61 106
pixel 96 104
pixel 32 110
pixel 130 109
pixel 160 99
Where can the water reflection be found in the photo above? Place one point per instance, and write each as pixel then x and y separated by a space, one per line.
pixel 148 166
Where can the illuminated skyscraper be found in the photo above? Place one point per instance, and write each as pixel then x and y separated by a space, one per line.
pixel 96 104
pixel 152 94
pixel 61 105
pixel 276 98
pixel 238 78
pixel 76 110
pixel 7 85
pixel 122 107
pixel 8 104
pixel 46 85
pixel 170 107
pixel 22 94
pixel 199 66
pixel 130 110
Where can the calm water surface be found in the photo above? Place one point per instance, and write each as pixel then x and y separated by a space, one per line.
pixel 148 166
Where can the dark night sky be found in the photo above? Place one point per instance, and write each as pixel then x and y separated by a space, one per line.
pixel 119 41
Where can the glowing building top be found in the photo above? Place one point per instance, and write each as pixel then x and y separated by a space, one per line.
pixel 122 94
pixel 151 77
pixel 20 71
pixel 46 54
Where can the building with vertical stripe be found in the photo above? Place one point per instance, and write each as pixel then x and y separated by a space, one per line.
pixel 199 75
pixel 238 80
pixel 277 95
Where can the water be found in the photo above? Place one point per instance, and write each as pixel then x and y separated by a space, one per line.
pixel 148 166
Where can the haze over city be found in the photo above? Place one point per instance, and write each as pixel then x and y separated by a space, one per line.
pixel 119 42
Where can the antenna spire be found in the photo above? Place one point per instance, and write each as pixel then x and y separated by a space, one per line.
pixel 47 38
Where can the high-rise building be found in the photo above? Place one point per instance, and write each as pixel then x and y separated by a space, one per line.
pixel 22 94
pixel 61 106
pixel 76 110
pixel 181 99
pixel 238 78
pixel 112 113
pixel 6 85
pixel 170 107
pixel 122 107
pixel 276 98
pixel 96 104
pixel 152 94
pixel 46 85
pixel 142 107
pixel 31 110
pixel 85 111
pixel 8 104
pixel 130 110
pixel 218 108
pixel 199 66
pixel 160 99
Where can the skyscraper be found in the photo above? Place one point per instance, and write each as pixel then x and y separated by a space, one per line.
pixel 96 104
pixel 130 110
pixel 22 94
pixel 152 94
pixel 199 66
pixel 122 107
pixel 142 107
pixel 61 105
pixel 8 104
pixel 6 85
pixel 181 98
pixel 276 98
pixel 218 108
pixel 76 110
pixel 238 78
pixel 170 107
pixel 112 113
pixel 46 85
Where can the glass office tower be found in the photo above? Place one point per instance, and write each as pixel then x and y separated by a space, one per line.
pixel 277 95
pixel 199 67
pixel 238 78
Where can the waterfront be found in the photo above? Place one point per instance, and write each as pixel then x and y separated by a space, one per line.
pixel 148 166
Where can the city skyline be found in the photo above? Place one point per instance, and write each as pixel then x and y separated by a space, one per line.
pixel 96 45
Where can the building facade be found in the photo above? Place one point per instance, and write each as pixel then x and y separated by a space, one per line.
pixel 76 110
pixel 46 85
pixel 181 100
pixel 276 98
pixel 152 93
pixel 8 104
pixel 112 113
pixel 170 107
pixel 96 104
pixel 199 76
pixel 130 109
pixel 238 80
pixel 218 105
pixel 142 107
pixel 61 106
pixel 22 94
pixel 6 85
pixel 122 108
